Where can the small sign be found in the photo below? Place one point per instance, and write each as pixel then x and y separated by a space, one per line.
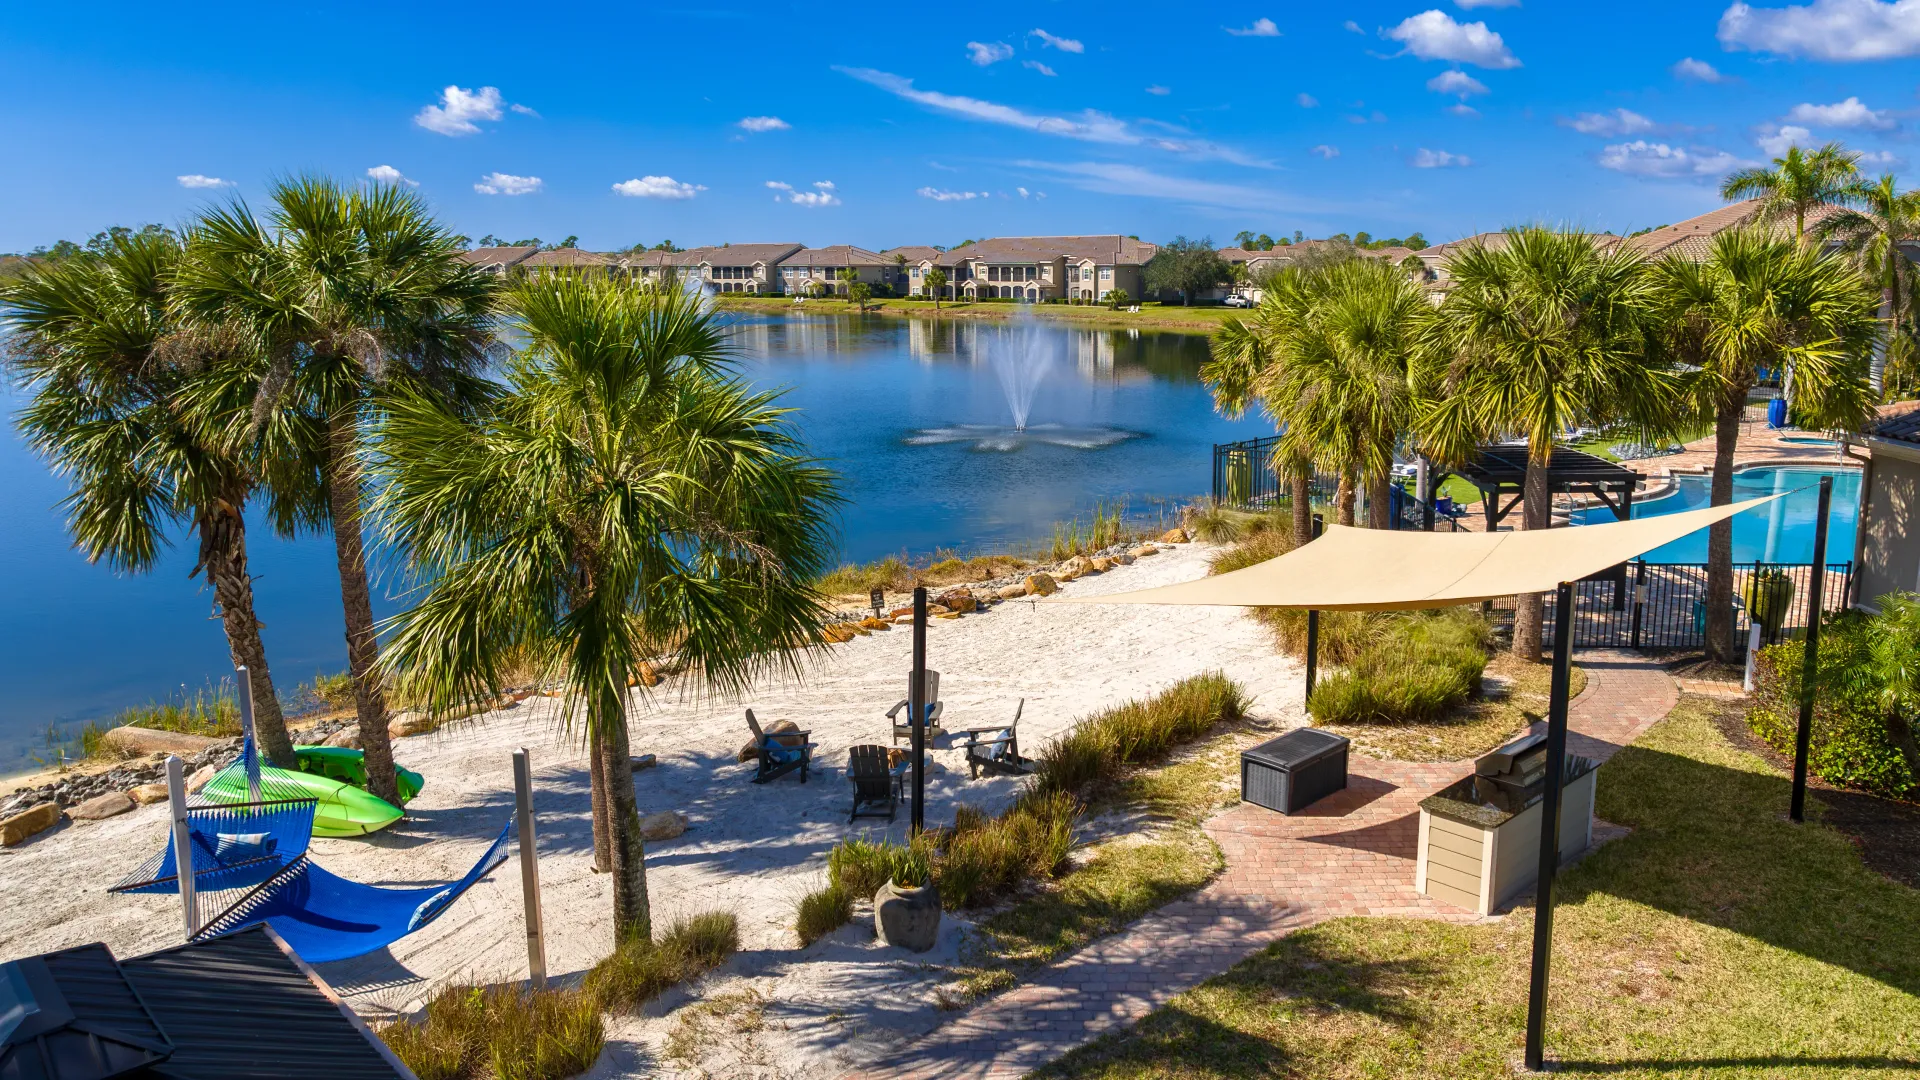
pixel 879 599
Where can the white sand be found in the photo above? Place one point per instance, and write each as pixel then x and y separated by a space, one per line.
pixel 751 849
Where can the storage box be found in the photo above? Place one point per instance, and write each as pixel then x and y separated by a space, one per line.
pixel 1294 771
pixel 1476 855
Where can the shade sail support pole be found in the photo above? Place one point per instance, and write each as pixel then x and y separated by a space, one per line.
pixel 1550 825
pixel 529 868
pixel 917 704
pixel 1313 629
pixel 1810 666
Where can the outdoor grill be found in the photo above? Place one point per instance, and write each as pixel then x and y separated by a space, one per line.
pixel 1512 777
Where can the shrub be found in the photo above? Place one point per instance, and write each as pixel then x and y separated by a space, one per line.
pixel 1413 668
pixel 983 860
pixel 335 690
pixel 1850 744
pixel 501 1033
pixel 862 866
pixel 823 911
pixel 641 969
pixel 1137 731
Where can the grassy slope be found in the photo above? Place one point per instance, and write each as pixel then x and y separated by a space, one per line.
pixel 1158 316
pixel 1715 940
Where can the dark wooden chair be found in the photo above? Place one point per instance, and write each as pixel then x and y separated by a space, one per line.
pixel 904 729
pixel 997 749
pixel 876 783
pixel 780 752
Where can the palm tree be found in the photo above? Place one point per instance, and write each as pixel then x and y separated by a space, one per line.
pixel 936 280
pixel 1886 218
pixel 623 497
pixel 1540 334
pixel 1798 183
pixel 110 375
pixel 1238 364
pixel 1761 301
pixel 353 292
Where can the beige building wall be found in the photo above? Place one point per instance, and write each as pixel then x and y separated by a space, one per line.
pixel 1889 537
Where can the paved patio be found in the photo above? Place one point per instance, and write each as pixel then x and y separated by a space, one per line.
pixel 1350 854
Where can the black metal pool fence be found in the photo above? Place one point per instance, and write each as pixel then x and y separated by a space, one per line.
pixel 1636 605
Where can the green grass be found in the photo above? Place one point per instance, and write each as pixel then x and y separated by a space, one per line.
pixel 500 1033
pixel 640 970
pixel 1137 732
pixel 823 911
pixel 1716 940
pixel 1421 666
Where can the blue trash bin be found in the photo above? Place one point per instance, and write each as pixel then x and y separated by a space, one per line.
pixel 1777 413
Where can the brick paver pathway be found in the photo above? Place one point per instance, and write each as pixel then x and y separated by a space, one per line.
pixel 1350 854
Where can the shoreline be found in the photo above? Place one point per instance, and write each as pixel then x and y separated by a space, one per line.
pixel 1191 320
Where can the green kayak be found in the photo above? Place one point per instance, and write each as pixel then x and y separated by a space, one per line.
pixel 333 777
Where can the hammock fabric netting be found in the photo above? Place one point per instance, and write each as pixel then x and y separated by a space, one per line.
pixel 251 865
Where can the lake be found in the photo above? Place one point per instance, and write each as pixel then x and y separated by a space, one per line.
pixel 914 415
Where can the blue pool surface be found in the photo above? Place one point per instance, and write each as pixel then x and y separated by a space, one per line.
pixel 1781 531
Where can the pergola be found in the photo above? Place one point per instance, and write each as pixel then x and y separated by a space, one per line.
pixel 1501 469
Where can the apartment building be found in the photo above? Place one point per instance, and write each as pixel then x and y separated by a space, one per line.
pixel 742 268
pixel 568 261
pixel 1038 268
pixel 498 260
pixel 819 269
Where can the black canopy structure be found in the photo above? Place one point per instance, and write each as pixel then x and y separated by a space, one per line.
pixel 1501 469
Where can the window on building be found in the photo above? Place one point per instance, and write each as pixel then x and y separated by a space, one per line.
pixel 1106 272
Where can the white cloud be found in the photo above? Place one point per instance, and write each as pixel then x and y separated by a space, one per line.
pixel 938 195
pixel 387 174
pixel 1776 140
pixel 1352 27
pixel 1035 65
pixel 1022 191
pixel 1697 71
pixel 822 195
pixel 459 110
pixel 195 180
pixel 1661 161
pixel 1610 125
pixel 1883 158
pixel 1063 44
pixel 1456 82
pixel 823 185
pixel 1439 159
pixel 1826 29
pixel 991 52
pixel 524 110
pixel 1307 101
pixel 1325 151
pixel 1088 126
pixel 508 184
pixel 1260 28
pixel 1159 91
pixel 1433 35
pixel 658 187
pixel 763 123
pixel 1461 108
pixel 1845 114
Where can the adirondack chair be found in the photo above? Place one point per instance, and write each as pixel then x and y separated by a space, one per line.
pixel 780 754
pixel 875 782
pixel 903 729
pixel 997 749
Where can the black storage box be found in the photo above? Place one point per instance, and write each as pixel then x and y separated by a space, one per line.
pixel 1294 771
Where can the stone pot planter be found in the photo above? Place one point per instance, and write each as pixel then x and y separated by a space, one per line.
pixel 907 917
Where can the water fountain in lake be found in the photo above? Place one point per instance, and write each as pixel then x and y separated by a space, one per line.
pixel 1022 359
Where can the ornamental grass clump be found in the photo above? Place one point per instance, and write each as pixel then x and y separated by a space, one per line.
pixel 823 911
pixel 1415 669
pixel 641 969
pixel 501 1033
pixel 982 858
pixel 1137 731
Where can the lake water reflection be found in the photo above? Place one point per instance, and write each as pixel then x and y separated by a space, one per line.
pixel 912 414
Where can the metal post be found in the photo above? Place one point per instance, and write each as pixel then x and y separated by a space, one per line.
pixel 1753 653
pixel 1810 667
pixel 917 703
pixel 1313 625
pixel 1550 825
pixel 182 845
pixel 1639 601
pixel 244 693
pixel 529 868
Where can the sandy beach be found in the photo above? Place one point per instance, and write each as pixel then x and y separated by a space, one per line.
pixel 750 849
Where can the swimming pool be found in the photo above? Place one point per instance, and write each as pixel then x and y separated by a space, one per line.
pixel 1781 531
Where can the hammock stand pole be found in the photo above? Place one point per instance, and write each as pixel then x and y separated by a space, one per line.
pixel 182 845
pixel 244 692
pixel 529 868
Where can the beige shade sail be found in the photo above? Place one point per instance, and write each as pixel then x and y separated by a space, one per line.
pixel 1387 570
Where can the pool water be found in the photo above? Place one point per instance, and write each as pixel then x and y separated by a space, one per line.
pixel 1781 531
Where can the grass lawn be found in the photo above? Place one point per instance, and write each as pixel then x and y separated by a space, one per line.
pixel 1717 940
pixel 1151 315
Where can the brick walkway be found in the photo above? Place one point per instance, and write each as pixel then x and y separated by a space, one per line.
pixel 1350 854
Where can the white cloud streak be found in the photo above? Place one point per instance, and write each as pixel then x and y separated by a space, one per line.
pixel 1610 125
pixel 1061 43
pixel 508 184
pixel 988 52
pixel 1438 159
pixel 939 195
pixel 1843 114
pixel 1697 71
pixel 1260 28
pixel 387 174
pixel 1325 151
pixel 1777 139
pixel 196 180
pixel 822 195
pixel 1159 91
pixel 763 123
pixel 460 111
pixel 1035 65
pixel 657 187
pixel 1307 101
pixel 1456 82
pixel 1661 161
pixel 1837 30
pixel 1433 35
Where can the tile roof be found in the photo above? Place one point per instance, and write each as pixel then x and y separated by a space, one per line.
pixel 1116 249
pixel 1899 421
pixel 497 256
pixel 837 255
pixel 743 254
pixel 914 252
pixel 1495 241
pixel 561 257
pixel 1693 238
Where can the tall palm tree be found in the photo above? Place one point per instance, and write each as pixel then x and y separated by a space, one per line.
pixel 110 375
pixel 1238 365
pixel 354 292
pixel 623 497
pixel 1873 232
pixel 1761 301
pixel 1540 334
pixel 1799 182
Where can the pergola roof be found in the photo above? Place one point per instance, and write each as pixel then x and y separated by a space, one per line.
pixel 1501 469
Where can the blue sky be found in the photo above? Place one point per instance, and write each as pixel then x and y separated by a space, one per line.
pixel 716 121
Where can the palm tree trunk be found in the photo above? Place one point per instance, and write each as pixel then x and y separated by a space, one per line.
pixel 1379 504
pixel 223 558
pixel 597 782
pixel 1877 367
pixel 1726 435
pixel 1536 512
pixel 369 698
pixel 632 914
pixel 1300 493
pixel 1344 497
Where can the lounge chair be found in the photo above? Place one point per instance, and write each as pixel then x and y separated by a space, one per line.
pixel 779 753
pixel 904 729
pixel 875 781
pixel 997 749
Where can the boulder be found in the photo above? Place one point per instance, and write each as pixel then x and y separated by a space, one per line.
pixel 961 600
pixel 1013 592
pixel 644 761
pixel 948 615
pixel 938 609
pixel 200 778
pixel 409 722
pixel 751 750
pixel 136 741
pixel 872 623
pixel 899 611
pixel 1174 536
pixel 29 822
pixel 345 737
pixel 1077 565
pixel 644 675
pixel 99 807
pixel 1101 564
pixel 853 628
pixel 1143 551
pixel 1124 559
pixel 1041 585
pixel 664 825
pixel 148 794
pixel 832 635
pixel 904 620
